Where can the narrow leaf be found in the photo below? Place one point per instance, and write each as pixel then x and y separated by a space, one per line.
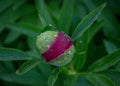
pixel 117 66
pixel 71 80
pixel 45 69
pixel 110 47
pixel 99 80
pixel 43 22
pixel 114 75
pixel 42 11
pixel 9 66
pixel 2 69
pixel 82 81
pixel 81 49
pixel 27 66
pixel 9 54
pixel 14 14
pixel 87 21
pixel 4 4
pixel 17 4
pixel 28 29
pixel 78 64
pixel 82 43
pixel 111 27
pixel 94 29
pixel 31 78
pixel 106 61
pixel 66 15
pixel 13 35
pixel 53 77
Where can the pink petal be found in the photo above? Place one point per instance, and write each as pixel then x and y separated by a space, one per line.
pixel 61 43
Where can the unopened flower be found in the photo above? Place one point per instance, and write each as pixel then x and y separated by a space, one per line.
pixel 55 47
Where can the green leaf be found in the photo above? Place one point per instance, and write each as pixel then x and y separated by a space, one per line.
pixel 13 35
pixel 114 75
pixel 28 29
pixel 110 47
pixel 32 43
pixel 27 66
pixel 82 44
pixel 111 27
pixel 66 15
pixel 99 80
pixel 81 50
pixel 43 12
pixel 53 77
pixel 9 66
pixel 71 80
pixel 32 46
pixel 9 54
pixel 4 4
pixel 45 69
pixel 94 29
pixel 31 78
pixel 43 22
pixel 82 81
pixel 2 69
pixel 117 66
pixel 105 62
pixel 78 64
pixel 17 4
pixel 13 14
pixel 87 21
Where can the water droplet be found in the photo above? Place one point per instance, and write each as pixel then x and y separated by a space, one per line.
pixel 69 52
pixel 50 25
pixel 48 46
pixel 55 35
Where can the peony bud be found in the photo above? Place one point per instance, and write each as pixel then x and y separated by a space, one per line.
pixel 55 47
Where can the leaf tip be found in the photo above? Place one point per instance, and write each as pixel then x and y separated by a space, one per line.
pixel 17 72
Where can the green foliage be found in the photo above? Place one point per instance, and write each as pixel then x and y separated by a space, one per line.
pixel 27 66
pixel 99 80
pixel 66 15
pixel 105 62
pixel 93 26
pixel 87 21
pixel 114 75
pixel 7 54
pixel 53 77
pixel 71 80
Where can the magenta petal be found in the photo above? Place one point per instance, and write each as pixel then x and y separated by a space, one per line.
pixel 61 43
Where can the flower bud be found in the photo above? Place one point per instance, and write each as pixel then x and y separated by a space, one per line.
pixel 55 47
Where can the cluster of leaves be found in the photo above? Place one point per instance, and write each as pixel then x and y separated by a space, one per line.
pixel 94 31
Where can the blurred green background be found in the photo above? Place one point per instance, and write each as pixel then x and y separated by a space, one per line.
pixel 22 20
